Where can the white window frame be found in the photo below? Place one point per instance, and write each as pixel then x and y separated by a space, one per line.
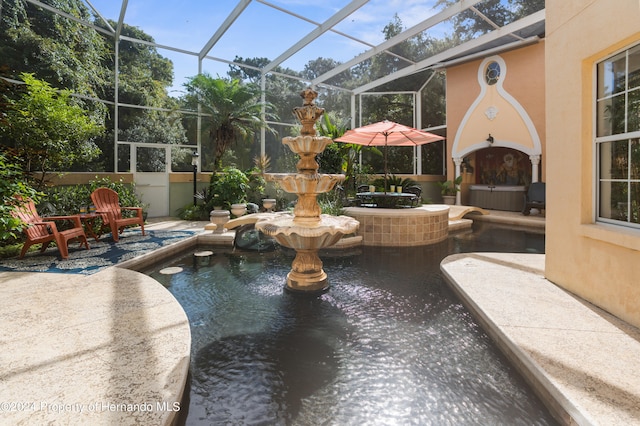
pixel 621 137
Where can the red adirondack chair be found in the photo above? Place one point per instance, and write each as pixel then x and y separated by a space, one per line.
pixel 108 207
pixel 44 230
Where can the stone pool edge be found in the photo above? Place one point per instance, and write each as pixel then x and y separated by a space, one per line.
pixel 580 360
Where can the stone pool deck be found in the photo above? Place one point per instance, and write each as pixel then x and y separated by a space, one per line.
pixel 111 348
pixel 85 350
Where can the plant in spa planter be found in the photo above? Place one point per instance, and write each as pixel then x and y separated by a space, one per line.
pixel 449 188
pixel 394 180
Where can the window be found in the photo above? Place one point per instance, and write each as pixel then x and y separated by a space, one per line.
pixel 492 73
pixel 618 138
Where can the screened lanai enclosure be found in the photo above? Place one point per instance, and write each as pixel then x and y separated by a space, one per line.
pixel 130 62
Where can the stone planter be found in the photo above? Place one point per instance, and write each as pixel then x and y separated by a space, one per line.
pixel 238 209
pixel 219 218
pixel 449 200
pixel 268 204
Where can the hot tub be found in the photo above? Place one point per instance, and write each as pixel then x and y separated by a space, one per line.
pixel 498 197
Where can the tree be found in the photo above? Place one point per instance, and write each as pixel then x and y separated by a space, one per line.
pixel 144 76
pixel 60 51
pixel 346 153
pixel 72 55
pixel 64 53
pixel 154 127
pixel 281 92
pixel 469 24
pixel 252 70
pixel 337 101
pixel 231 111
pixel 47 130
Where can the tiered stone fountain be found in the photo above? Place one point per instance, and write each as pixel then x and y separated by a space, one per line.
pixel 307 230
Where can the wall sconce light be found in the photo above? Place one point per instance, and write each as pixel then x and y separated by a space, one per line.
pixel 490 138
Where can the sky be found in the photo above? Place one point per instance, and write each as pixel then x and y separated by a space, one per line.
pixel 261 30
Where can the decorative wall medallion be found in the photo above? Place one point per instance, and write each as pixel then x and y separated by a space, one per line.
pixel 491 112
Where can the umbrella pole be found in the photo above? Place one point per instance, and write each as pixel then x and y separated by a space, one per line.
pixel 385 163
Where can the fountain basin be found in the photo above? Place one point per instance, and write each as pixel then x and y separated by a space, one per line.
pixel 299 183
pixel 386 334
pixel 307 144
pixel 307 235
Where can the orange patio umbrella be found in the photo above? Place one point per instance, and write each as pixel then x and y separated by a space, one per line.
pixel 387 133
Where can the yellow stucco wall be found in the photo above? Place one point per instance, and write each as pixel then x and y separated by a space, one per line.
pixel 598 262
pixel 523 81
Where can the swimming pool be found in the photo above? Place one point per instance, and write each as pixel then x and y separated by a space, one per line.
pixel 389 343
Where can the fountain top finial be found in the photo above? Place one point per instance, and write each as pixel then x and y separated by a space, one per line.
pixel 308 113
pixel 309 95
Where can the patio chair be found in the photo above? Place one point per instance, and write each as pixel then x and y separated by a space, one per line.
pixel 108 207
pixel 417 191
pixel 44 230
pixel 535 198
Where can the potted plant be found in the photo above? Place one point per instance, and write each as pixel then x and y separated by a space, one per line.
pixel 449 188
pixel 228 187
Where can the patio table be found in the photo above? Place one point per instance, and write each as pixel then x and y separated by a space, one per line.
pixel 388 200
pixel 88 220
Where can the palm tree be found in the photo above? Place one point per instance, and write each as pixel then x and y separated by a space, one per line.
pixel 232 110
pixel 348 152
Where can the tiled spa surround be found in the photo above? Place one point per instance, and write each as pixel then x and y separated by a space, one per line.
pixel 423 225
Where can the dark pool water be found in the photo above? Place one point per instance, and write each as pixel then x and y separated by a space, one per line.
pixel 388 344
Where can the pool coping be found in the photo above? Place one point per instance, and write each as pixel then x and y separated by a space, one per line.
pixel 580 360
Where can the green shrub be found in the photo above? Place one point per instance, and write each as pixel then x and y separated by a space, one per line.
pixel 65 200
pixel 226 188
pixel 230 186
pixel 331 203
pixel 257 186
pixel 191 212
pixel 394 180
pixel 450 187
pixel 13 181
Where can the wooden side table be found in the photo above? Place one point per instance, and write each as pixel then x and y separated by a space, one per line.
pixel 88 220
